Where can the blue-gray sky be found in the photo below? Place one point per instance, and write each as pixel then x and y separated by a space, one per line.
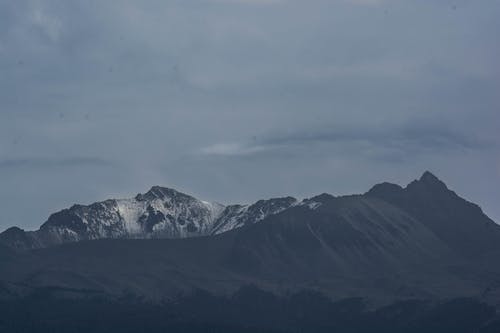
pixel 236 100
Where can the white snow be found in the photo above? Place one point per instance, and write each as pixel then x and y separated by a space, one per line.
pixel 131 210
pixel 175 216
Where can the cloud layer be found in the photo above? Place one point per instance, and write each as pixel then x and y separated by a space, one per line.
pixel 238 100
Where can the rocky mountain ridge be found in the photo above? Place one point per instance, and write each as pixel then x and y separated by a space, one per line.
pixel 159 213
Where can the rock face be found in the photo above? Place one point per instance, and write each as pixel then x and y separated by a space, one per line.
pixel 159 213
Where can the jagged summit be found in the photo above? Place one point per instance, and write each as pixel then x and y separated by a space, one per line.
pixel 160 192
pixel 428 176
pixel 160 212
pixel 429 180
pixel 163 212
pixel 460 223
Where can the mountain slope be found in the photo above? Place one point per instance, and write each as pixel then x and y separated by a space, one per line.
pixel 351 246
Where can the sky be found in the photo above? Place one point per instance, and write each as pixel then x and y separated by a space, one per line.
pixel 237 100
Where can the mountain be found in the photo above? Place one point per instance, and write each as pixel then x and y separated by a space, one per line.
pixel 159 213
pixel 387 244
pixel 462 225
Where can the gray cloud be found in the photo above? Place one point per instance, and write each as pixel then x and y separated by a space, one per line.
pixel 54 162
pixel 408 140
pixel 237 100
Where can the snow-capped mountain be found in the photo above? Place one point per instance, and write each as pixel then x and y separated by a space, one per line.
pixel 418 241
pixel 159 213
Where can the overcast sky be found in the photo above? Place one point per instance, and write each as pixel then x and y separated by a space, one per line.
pixel 236 100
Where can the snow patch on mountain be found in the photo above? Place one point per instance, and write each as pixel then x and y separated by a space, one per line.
pixel 159 213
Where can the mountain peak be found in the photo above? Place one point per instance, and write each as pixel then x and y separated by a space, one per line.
pixel 321 198
pixel 429 180
pixel 13 231
pixel 428 176
pixel 159 192
pixel 385 188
